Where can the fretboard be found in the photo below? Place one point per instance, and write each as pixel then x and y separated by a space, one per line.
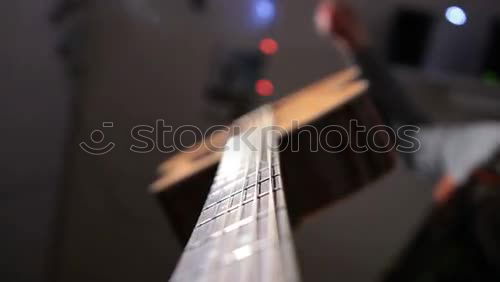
pixel 243 231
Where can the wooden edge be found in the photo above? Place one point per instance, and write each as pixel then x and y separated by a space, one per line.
pixel 290 113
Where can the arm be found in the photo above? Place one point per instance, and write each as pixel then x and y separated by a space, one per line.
pixel 447 153
pixel 339 22
pixel 387 94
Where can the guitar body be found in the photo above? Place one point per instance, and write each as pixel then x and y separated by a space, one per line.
pixel 183 201
pixel 313 179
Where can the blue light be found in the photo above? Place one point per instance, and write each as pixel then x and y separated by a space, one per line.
pixel 456 15
pixel 264 11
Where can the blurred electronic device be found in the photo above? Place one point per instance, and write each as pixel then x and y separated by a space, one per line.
pixel 232 81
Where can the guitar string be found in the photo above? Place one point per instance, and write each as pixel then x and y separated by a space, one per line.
pixel 248 159
pixel 272 229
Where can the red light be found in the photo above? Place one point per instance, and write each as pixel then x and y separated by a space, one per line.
pixel 264 87
pixel 268 46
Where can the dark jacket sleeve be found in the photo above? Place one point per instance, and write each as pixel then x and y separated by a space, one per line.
pixel 394 105
pixel 387 94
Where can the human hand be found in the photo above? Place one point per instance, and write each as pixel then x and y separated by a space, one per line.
pixel 338 20
pixel 455 153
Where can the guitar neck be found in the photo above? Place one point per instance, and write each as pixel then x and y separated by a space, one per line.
pixel 243 231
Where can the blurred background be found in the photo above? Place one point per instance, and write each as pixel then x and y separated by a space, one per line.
pixel 68 66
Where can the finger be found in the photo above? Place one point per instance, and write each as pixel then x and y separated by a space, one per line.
pixel 323 18
pixel 444 189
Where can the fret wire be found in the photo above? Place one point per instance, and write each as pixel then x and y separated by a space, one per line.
pixel 232 193
pixel 260 195
pixel 241 223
